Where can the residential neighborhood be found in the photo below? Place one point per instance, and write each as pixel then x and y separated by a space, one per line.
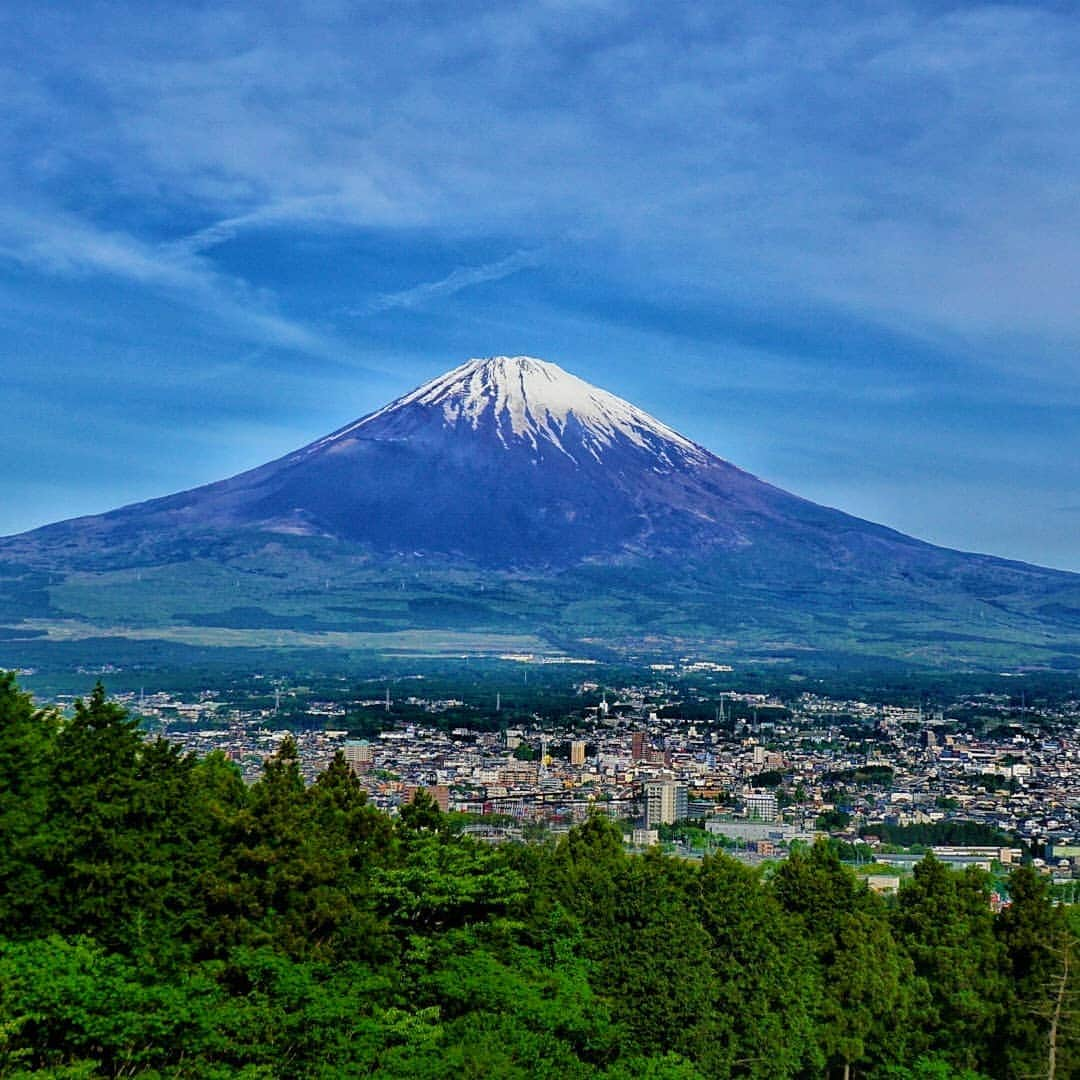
pixel 756 776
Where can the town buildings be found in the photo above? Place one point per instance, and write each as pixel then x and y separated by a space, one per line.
pixel 755 772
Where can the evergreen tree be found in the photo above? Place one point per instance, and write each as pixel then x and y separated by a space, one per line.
pixel 1038 947
pixel 276 882
pixel 945 925
pixel 766 983
pixel 862 1005
pixel 94 852
pixel 652 959
pixel 26 750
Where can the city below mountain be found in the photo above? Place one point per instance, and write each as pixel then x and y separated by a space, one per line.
pixel 508 505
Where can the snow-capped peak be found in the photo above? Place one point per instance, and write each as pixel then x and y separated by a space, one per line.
pixel 537 402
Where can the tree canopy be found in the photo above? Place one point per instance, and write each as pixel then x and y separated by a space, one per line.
pixel 161 918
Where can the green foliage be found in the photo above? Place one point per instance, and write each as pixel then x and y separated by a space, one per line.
pixel 445 883
pixel 770 778
pixel 959 832
pixel 160 918
pixel 832 820
pixel 764 974
pixel 27 742
pixel 928 1068
pixel 863 776
pixel 1038 945
pixel 945 926
pixel 865 981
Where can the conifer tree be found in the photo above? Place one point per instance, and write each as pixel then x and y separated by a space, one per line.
pixel 944 923
pixel 26 751
pixel 94 850
pixel 1039 951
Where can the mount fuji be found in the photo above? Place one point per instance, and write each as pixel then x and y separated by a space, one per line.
pixel 508 495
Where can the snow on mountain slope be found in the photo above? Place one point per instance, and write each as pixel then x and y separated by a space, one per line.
pixel 506 461
pixel 526 400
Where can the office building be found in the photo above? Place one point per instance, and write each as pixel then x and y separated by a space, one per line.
pixel 760 805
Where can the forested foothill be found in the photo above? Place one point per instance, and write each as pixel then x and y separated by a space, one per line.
pixel 160 918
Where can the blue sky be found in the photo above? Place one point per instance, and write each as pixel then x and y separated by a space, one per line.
pixel 835 243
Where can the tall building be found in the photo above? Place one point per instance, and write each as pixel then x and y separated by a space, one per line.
pixel 665 803
pixel 359 754
pixel 637 746
pixel 760 805
pixel 577 753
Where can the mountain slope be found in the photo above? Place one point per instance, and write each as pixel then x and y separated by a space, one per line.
pixel 502 462
pixel 602 522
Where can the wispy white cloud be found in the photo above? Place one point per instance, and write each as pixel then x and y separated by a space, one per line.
pixel 463 277
pixel 346 207
pixel 226 229
pixel 912 165
pixel 63 244
pixel 898 161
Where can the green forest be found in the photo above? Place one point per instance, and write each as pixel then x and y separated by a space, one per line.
pixel 161 918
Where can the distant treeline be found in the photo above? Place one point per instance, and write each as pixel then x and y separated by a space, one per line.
pixel 960 833
pixel 160 918
pixel 881 775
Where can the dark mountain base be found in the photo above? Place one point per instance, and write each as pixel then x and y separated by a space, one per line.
pixel 303 593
